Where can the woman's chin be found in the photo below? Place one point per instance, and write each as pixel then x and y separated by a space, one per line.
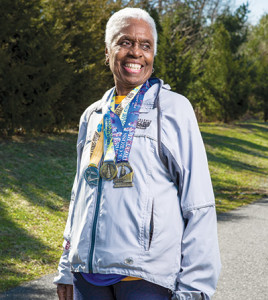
pixel 135 78
pixel 128 81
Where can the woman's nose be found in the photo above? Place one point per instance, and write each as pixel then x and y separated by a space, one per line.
pixel 135 50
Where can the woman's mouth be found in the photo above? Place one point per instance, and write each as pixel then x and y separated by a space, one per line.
pixel 132 68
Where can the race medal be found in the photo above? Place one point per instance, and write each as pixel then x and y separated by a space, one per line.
pixel 92 175
pixel 108 170
pixel 125 175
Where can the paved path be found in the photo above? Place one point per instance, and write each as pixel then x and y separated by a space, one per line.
pixel 40 289
pixel 243 237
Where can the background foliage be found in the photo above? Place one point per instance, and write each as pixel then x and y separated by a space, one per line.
pixel 52 59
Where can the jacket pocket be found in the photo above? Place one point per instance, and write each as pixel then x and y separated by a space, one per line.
pixel 149 225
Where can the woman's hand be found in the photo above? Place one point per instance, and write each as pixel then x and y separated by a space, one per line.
pixel 65 291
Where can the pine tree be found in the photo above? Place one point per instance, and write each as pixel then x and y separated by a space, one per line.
pixel 224 80
pixel 32 75
pixel 257 55
pixel 173 60
pixel 79 27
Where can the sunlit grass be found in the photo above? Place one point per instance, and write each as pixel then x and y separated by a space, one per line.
pixel 238 161
pixel 36 176
pixel 35 182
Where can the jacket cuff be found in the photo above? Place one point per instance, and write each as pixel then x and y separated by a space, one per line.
pixel 65 275
pixel 63 279
pixel 188 295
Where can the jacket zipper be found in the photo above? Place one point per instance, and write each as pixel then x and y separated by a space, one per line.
pixel 151 232
pixel 93 235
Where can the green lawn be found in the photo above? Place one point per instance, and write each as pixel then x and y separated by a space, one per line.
pixel 238 162
pixel 36 175
pixel 35 183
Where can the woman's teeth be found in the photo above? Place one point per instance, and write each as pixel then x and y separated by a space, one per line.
pixel 133 66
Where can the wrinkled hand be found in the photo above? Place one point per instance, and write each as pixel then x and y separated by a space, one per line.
pixel 65 291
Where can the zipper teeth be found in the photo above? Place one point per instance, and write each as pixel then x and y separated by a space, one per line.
pixel 93 235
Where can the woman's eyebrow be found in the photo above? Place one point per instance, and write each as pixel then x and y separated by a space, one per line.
pixel 127 37
pixel 147 41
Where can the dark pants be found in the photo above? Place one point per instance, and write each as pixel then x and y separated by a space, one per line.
pixel 123 290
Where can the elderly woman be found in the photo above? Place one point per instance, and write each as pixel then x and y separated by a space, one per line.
pixel 142 221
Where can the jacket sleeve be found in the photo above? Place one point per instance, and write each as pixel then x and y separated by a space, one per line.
pixel 188 166
pixel 64 271
pixel 200 263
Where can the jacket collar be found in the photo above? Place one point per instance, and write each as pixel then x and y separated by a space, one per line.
pixel 148 101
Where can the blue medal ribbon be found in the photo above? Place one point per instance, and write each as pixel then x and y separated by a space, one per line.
pixel 123 132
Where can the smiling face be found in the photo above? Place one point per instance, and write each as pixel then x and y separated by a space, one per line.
pixel 131 56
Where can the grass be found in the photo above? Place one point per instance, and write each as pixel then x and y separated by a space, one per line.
pixel 238 162
pixel 36 176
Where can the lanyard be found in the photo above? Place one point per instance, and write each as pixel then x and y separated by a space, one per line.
pixel 115 121
pixel 113 139
pixel 91 174
pixel 123 133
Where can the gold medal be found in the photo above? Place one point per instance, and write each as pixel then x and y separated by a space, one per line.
pixel 108 170
pixel 125 175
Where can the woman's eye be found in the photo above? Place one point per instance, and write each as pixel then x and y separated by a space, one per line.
pixel 145 46
pixel 126 43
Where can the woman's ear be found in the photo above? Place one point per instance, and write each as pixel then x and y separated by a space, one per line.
pixel 106 56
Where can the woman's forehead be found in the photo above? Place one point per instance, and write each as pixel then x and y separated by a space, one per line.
pixel 135 29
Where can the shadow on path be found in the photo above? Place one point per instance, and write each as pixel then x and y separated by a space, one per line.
pixel 40 289
pixel 235 216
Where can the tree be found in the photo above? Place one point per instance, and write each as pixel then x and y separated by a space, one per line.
pixel 173 61
pixel 224 80
pixel 257 55
pixel 52 58
pixel 32 74
pixel 182 44
pixel 79 27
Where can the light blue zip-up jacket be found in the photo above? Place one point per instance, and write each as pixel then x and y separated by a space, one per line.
pixel 163 229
